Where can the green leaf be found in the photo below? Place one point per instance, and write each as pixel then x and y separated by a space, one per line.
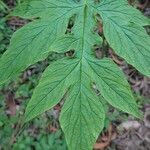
pixel 65 43
pixel 119 11
pixel 82 116
pixel 124 32
pixel 64 75
pixel 48 9
pixel 1 123
pixel 31 43
pixel 3 7
pixel 113 85
pixel 54 83
pixel 28 45
pixel 132 43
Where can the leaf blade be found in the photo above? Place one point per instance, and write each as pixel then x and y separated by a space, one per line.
pixel 113 86
pixel 46 8
pixel 123 29
pixel 82 121
pixel 29 45
pixel 55 78
pixel 122 12
pixel 133 46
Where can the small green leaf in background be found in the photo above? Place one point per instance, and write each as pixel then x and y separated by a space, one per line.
pixel 1 123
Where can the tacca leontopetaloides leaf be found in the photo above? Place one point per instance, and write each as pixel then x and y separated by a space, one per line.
pixel 32 42
pixel 82 116
pixel 126 24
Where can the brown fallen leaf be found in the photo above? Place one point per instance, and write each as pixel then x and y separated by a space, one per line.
pixel 52 128
pixel 143 6
pixel 105 139
pixel 100 146
pixel 10 103
pixel 114 57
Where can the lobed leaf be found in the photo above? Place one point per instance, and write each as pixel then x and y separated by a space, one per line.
pixel 113 85
pixel 54 83
pixel 29 45
pixel 120 11
pixel 32 43
pixel 123 29
pixel 47 9
pixel 82 116
pixel 132 43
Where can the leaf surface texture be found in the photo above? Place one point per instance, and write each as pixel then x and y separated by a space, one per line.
pixel 72 78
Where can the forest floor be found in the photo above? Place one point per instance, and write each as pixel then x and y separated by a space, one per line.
pixel 122 132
